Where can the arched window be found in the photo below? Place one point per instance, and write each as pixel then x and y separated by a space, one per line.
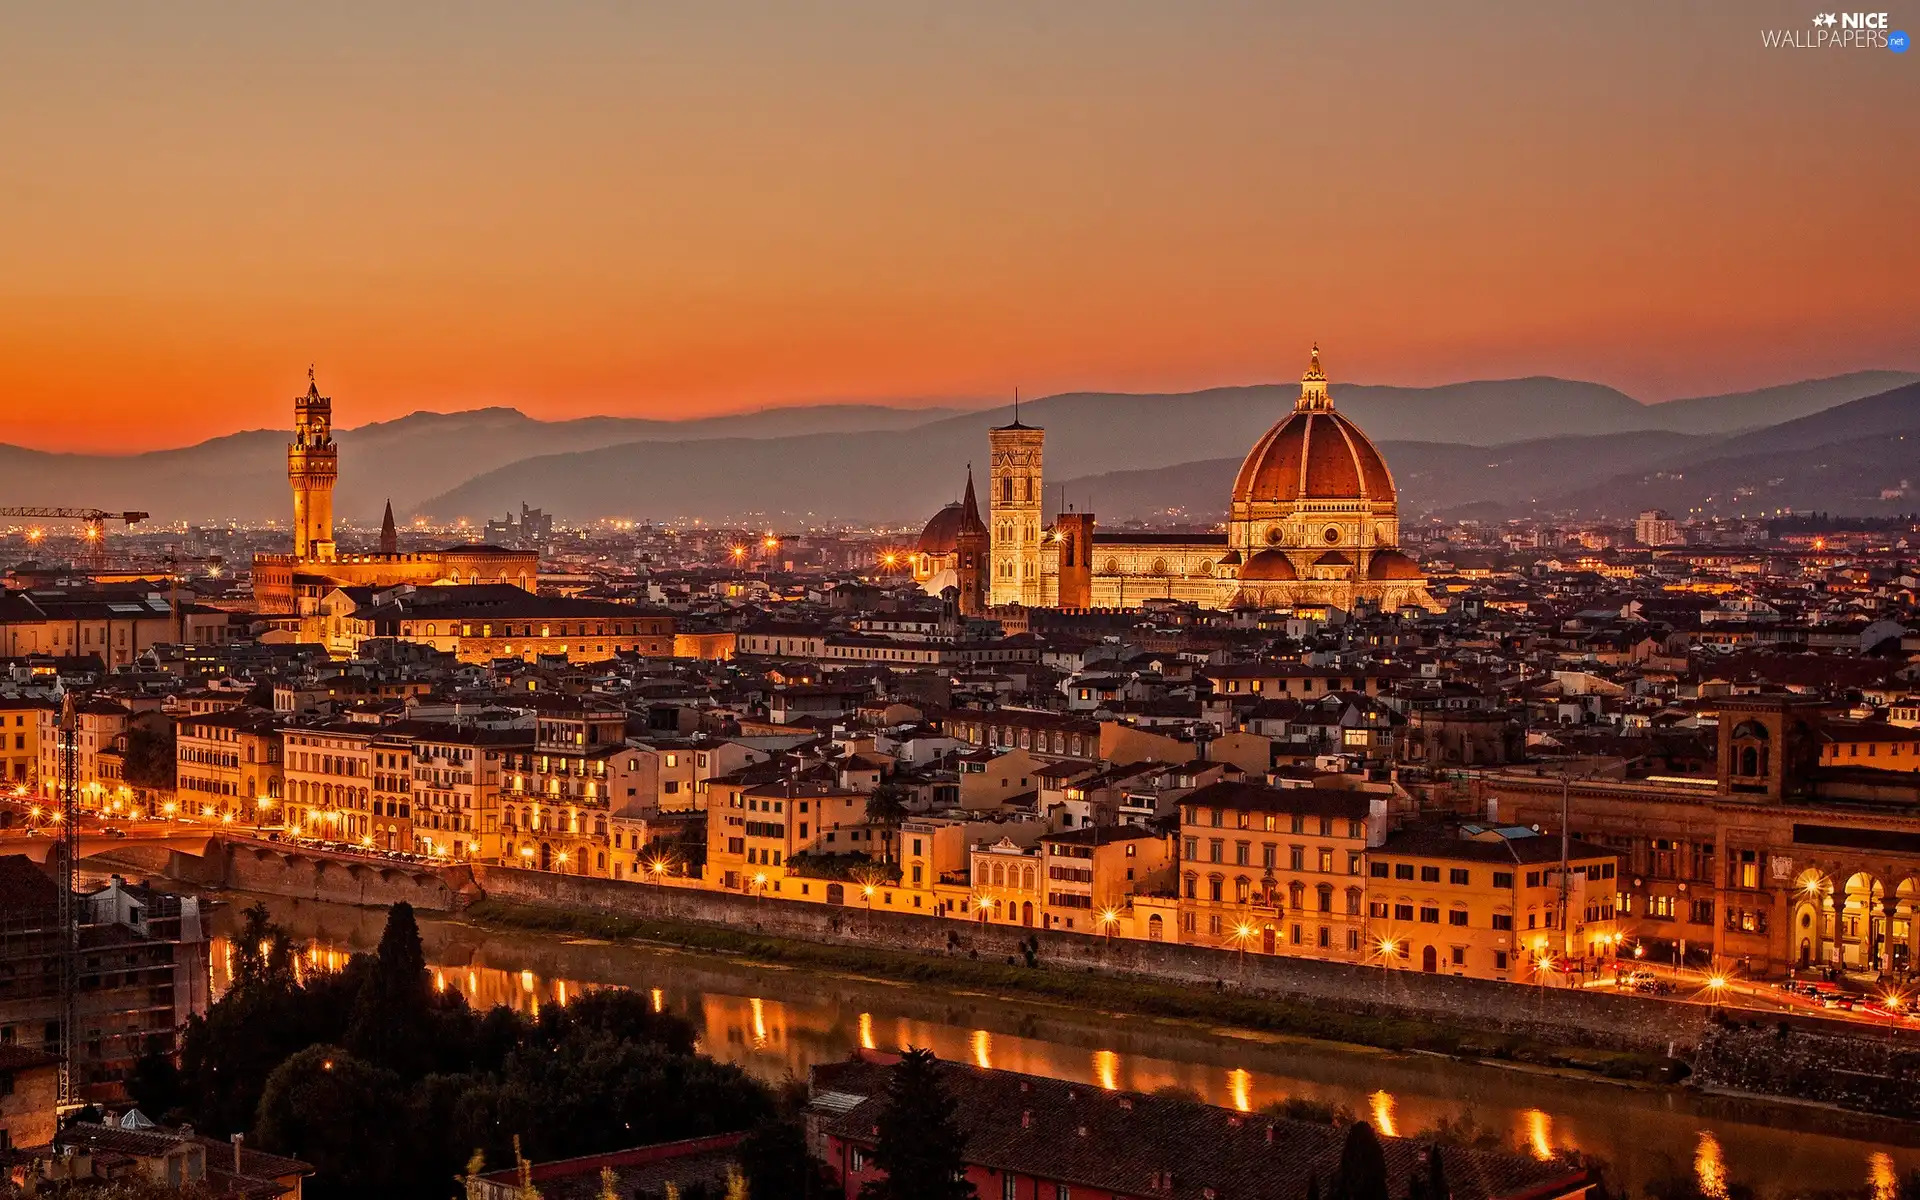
pixel 1326 897
pixel 1296 894
pixel 1155 928
pixel 1242 890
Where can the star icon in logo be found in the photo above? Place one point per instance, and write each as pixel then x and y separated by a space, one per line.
pixel 1827 19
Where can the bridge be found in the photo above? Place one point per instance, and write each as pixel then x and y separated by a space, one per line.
pixel 139 845
pixel 223 859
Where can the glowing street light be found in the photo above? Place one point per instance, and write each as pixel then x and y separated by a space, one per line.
pixel 1241 933
pixel 1108 919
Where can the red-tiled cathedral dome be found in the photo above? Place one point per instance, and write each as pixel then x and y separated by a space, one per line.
pixel 1314 453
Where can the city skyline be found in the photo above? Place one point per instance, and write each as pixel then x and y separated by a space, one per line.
pixel 662 212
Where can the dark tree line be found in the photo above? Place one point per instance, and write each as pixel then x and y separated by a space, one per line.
pixel 389 1087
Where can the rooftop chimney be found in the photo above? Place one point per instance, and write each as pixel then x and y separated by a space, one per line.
pixel 238 1139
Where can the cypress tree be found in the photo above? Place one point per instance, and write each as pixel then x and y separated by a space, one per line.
pixel 391 1025
pixel 1363 1166
pixel 920 1144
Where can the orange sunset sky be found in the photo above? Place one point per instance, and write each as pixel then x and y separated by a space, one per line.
pixel 674 209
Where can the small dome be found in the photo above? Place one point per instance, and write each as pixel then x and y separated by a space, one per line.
pixel 1270 566
pixel 1391 564
pixel 942 533
pixel 1333 558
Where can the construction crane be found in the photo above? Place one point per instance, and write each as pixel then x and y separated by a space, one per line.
pixel 68 732
pixel 93 526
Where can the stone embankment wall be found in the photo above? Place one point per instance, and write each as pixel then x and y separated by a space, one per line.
pixel 1564 1016
pixel 1877 1075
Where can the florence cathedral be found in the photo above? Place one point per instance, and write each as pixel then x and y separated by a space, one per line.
pixel 1313 521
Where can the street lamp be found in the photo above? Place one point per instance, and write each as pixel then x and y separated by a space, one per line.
pixel 983 903
pixel 657 867
pixel 1241 933
pixel 1108 919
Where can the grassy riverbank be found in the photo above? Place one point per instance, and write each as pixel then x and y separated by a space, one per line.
pixel 1082 989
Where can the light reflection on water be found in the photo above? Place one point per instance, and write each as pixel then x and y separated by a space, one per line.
pixel 1882 1176
pixel 773 1036
pixel 1710 1168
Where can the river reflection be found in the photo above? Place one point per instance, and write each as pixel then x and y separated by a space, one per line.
pixel 775 1022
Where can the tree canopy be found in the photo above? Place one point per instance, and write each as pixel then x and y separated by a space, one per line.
pixel 389 1087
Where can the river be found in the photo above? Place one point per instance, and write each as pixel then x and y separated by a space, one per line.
pixel 774 1021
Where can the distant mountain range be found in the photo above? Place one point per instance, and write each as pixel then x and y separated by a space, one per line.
pixel 243 476
pixel 1860 458
pixel 1494 446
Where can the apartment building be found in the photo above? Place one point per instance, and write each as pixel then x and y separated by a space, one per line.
pixel 1489 902
pixel 99 752
pixel 1091 873
pixel 460 778
pixel 227 768
pixel 1277 870
pixel 755 827
pixel 20 742
pixel 328 779
pixel 557 795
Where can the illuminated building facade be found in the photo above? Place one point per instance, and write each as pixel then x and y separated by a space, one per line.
pixel 556 798
pixel 227 768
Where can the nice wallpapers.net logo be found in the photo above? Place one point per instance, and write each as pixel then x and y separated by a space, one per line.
pixel 1839 31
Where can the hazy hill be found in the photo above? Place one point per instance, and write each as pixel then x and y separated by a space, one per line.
pixel 1770 406
pixel 904 475
pixel 876 462
pixel 1430 476
pixel 1860 458
pixel 243 475
pixel 1843 459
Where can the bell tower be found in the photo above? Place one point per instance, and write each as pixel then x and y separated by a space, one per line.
pixel 1013 511
pixel 313 463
